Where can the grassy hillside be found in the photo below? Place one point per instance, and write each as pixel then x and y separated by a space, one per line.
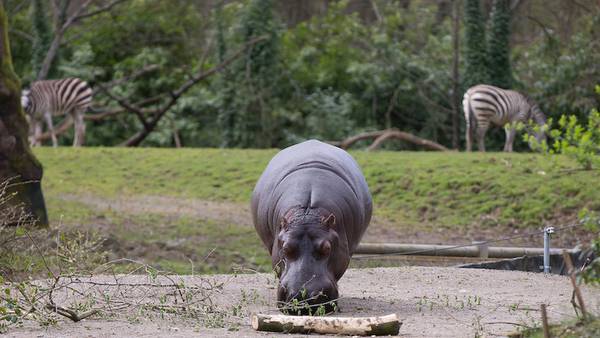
pixel 408 188
pixel 457 195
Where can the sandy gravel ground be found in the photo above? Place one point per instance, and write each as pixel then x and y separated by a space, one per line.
pixel 432 302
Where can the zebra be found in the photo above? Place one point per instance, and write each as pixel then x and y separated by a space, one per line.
pixel 484 105
pixel 49 98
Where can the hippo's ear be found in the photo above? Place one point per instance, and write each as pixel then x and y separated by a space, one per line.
pixel 329 221
pixel 284 224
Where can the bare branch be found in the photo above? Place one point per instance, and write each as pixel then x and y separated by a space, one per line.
pixel 100 10
pixel 62 29
pixel 123 103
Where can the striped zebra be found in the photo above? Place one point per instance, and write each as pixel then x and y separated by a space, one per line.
pixel 484 105
pixel 70 96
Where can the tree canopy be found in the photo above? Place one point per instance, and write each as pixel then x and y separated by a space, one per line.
pixel 321 69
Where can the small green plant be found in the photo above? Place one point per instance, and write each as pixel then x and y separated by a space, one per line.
pixel 470 302
pixel 579 140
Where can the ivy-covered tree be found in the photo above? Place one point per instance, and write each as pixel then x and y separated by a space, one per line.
pixel 498 46
pixel 476 71
pixel 255 78
pixel 42 36
pixel 224 83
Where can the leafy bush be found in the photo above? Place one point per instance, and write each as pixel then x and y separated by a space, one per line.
pixel 580 141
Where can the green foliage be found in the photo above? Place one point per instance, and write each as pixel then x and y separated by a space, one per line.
pixel 397 77
pixel 568 329
pixel 561 74
pixel 476 70
pixel 248 115
pixel 393 72
pixel 498 45
pixel 581 142
pixel 327 116
pixel 573 139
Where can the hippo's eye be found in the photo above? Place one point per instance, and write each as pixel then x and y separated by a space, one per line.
pixel 325 248
pixel 288 250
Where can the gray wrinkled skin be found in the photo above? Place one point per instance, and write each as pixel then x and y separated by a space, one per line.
pixel 311 178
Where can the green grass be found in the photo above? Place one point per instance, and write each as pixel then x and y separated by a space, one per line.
pixel 199 173
pixel 411 190
pixel 415 189
pixel 579 329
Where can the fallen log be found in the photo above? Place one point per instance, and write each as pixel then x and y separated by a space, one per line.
pixel 404 136
pixel 364 326
pixel 382 135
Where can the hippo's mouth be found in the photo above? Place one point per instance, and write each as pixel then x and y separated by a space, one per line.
pixel 303 304
pixel 308 308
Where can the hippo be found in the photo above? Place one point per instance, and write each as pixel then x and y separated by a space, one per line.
pixel 310 208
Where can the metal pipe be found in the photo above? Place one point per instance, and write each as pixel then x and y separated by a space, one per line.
pixel 547 232
pixel 451 250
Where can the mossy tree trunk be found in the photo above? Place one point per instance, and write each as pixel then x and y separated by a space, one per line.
pixel 17 162
pixel 476 71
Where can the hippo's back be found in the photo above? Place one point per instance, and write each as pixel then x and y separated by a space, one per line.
pixel 312 174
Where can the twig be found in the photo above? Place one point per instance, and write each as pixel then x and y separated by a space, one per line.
pixel 545 321
pixel 508 323
pixel 72 315
pixel 571 272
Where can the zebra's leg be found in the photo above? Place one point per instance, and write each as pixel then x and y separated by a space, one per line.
pixel 481 130
pixel 468 137
pixel 79 137
pixel 48 117
pixel 37 133
pixel 511 132
pixel 31 124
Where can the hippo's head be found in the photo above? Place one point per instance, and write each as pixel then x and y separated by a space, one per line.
pixel 304 260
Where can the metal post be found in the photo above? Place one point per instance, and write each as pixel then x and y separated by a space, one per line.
pixel 484 250
pixel 547 232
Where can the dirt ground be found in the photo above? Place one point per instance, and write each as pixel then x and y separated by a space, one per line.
pixel 431 302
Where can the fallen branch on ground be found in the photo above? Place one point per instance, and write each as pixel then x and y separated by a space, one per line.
pixel 381 136
pixel 72 315
pixel 384 325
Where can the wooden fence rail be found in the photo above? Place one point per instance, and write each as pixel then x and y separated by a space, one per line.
pixel 474 250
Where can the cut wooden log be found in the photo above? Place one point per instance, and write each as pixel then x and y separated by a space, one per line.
pixel 362 326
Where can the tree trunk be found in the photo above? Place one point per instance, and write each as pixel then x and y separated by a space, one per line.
pixel 455 75
pixel 17 162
